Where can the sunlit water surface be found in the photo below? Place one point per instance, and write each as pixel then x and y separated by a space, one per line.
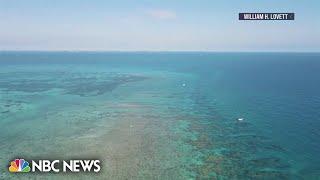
pixel 163 115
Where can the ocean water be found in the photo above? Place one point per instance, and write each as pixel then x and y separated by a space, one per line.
pixel 163 115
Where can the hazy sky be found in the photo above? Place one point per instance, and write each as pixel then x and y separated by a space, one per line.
pixel 157 25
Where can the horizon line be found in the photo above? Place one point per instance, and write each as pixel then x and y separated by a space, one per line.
pixel 164 51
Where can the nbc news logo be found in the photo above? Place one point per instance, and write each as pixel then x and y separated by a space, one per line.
pixel 21 165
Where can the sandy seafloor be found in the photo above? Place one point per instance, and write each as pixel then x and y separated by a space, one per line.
pixel 162 115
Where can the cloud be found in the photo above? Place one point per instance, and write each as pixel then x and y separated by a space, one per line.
pixel 162 14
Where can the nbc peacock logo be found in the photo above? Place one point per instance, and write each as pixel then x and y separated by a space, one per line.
pixel 19 165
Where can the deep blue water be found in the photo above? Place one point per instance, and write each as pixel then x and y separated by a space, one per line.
pixel 277 95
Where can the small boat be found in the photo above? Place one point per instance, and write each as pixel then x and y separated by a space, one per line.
pixel 240 119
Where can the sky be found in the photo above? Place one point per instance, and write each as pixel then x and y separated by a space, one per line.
pixel 156 25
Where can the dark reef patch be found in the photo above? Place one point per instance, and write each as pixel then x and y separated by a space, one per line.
pixel 80 84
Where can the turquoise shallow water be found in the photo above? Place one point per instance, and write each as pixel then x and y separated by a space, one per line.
pixel 163 115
